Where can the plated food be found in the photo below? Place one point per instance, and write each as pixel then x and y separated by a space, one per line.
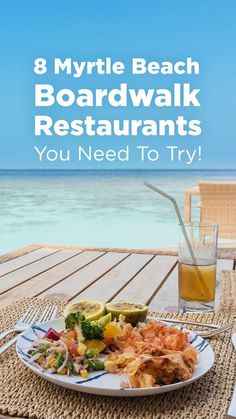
pixel 103 353
pixel 115 339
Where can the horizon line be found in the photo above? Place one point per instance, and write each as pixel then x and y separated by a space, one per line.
pixel 118 170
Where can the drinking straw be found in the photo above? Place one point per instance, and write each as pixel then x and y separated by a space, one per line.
pixel 166 195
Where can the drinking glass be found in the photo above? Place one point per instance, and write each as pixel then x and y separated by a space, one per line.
pixel 197 269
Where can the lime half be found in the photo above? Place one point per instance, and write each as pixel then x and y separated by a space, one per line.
pixel 133 312
pixel 91 309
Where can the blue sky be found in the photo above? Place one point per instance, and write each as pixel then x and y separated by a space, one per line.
pixel 86 30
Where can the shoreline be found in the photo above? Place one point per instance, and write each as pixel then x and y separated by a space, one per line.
pixel 118 170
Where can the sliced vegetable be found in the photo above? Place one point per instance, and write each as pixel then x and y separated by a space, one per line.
pixel 96 344
pixel 52 361
pixel 32 352
pixel 91 353
pixel 59 361
pixel 94 364
pixel 103 321
pixel 70 366
pixel 52 334
pixel 41 360
pixel 74 322
pixel 112 330
pixel 72 347
pixel 82 349
pixel 41 350
pixel 70 334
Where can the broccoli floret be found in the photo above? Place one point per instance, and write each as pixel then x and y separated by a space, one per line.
pixel 75 321
pixel 70 321
pixel 85 329
pixel 92 330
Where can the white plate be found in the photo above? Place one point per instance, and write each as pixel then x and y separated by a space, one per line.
pixel 101 382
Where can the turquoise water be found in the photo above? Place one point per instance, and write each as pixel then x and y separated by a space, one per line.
pixel 97 208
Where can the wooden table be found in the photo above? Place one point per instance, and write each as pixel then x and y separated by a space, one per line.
pixel 103 274
pixel 75 273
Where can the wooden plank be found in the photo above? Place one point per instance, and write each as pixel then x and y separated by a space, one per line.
pixel 20 261
pixel 20 252
pixel 79 281
pixel 110 283
pixel 167 297
pixel 23 274
pixel 144 285
pixel 36 285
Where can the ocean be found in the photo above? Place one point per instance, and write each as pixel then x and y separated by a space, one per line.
pixel 94 208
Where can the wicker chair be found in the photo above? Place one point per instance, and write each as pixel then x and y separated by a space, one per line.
pixel 218 205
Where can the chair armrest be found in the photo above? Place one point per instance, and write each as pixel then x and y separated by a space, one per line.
pixel 188 202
